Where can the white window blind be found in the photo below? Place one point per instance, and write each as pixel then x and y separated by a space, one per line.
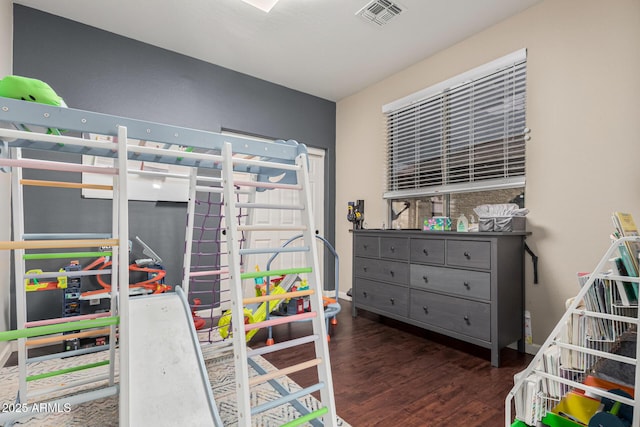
pixel 464 134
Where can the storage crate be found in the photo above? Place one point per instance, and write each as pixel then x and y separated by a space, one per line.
pixel 503 223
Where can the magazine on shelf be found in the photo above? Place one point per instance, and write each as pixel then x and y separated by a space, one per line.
pixel 626 290
pixel 626 227
pixel 529 399
pixel 574 332
pixel 551 363
pixel 596 300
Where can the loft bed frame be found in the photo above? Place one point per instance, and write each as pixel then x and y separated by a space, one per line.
pixel 69 119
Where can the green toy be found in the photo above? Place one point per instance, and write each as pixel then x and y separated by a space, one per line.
pixel 33 90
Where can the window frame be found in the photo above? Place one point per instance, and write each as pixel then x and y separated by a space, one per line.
pixel 441 96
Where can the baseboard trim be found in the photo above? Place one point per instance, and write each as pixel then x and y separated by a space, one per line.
pixel 528 348
pixel 344 296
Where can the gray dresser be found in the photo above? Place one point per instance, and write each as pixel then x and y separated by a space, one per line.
pixel 469 286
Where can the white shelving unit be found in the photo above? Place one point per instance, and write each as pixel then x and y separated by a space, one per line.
pixel 580 353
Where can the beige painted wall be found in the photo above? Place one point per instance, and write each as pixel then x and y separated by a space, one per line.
pixel 6 60
pixel 583 108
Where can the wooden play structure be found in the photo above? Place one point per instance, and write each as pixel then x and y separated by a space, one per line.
pixel 234 167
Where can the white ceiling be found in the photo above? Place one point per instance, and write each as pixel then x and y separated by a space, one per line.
pixel 318 47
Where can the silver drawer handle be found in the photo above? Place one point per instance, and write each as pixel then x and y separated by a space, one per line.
pixel 364 294
pixel 393 301
pixel 365 247
pixel 426 309
pixel 364 268
pixel 391 272
pixel 466 254
pixel 466 285
pixel 466 319
pixel 426 252
pixel 426 279
pixel 393 249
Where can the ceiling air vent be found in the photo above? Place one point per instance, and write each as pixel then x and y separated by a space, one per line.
pixel 380 11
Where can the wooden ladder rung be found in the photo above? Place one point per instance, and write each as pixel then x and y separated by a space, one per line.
pixel 63 184
pixel 271 297
pixel 284 371
pixel 56 244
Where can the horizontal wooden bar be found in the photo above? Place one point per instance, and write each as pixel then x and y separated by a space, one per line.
pixel 72 255
pixel 57 244
pixel 61 236
pixel 271 297
pixel 43 391
pixel 70 325
pixel 274 321
pixel 274 273
pixel 158 174
pixel 65 320
pixel 284 371
pixel 286 398
pixel 63 184
pixel 56 274
pixel 66 371
pixel 201 178
pixel 69 353
pixel 57 166
pixel 271 185
pixel 208 273
pixel 281 345
pixel 306 418
pixel 204 189
pixel 264 163
pixel 58 139
pixel 60 338
pixel 139 149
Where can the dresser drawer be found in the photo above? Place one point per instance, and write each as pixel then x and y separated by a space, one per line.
pixel 465 253
pixel 394 248
pixel 366 246
pixel 381 296
pixel 388 271
pixel 427 251
pixel 462 316
pixel 473 284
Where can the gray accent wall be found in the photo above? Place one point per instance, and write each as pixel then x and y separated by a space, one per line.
pixel 100 71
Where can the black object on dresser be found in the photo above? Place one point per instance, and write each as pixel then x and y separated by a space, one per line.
pixel 469 286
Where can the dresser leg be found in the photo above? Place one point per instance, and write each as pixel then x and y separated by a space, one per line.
pixel 495 357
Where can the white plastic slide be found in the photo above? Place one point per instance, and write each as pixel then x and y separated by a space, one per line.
pixel 169 385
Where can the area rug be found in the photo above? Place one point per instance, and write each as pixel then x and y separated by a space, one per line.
pixel 104 412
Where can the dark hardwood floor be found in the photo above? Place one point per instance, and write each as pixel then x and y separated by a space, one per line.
pixel 386 373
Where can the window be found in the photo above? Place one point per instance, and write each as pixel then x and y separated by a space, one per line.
pixel 466 134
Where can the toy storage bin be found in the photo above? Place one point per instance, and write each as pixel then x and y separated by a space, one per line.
pixel 554 420
pixel 550 420
pixel 502 223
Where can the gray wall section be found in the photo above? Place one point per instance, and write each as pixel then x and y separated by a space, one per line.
pixel 99 71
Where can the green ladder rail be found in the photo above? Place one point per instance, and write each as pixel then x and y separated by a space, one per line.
pixel 66 370
pixel 37 331
pixel 60 255
pixel 273 273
